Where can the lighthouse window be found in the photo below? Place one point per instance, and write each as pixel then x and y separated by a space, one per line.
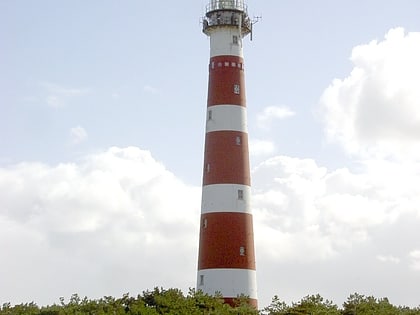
pixel 226 63
pixel 219 64
pixel 205 223
pixel 201 279
pixel 233 64
pixel 210 115
pixel 212 64
pixel 235 39
pixel 238 140
pixel 242 251
pixel 236 89
pixel 208 168
pixel 240 194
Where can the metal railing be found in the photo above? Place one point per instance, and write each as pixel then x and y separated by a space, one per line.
pixel 226 5
pixel 236 19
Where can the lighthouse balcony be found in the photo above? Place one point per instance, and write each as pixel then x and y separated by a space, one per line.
pixel 227 17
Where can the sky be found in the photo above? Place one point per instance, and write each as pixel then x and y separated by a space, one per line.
pixel 102 124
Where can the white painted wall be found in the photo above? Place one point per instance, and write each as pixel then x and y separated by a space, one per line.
pixel 224 198
pixel 226 117
pixel 221 42
pixel 229 282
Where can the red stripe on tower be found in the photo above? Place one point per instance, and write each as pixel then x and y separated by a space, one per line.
pixel 226 258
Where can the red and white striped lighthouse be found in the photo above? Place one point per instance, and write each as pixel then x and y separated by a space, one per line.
pixel 226 259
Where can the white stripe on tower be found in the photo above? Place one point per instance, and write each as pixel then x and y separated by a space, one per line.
pixel 226 262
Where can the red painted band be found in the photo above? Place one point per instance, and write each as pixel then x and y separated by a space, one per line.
pixel 226 158
pixel 234 302
pixel 230 58
pixel 226 81
pixel 226 241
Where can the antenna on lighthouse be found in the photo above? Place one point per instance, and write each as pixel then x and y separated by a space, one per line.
pixel 255 20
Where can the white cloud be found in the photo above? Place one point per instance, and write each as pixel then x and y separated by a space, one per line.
pixel 286 194
pixel 415 259
pixel 271 113
pixel 54 101
pixel 109 223
pixel 388 259
pixel 261 147
pixel 374 111
pixel 105 225
pixel 300 205
pixel 78 134
pixel 59 96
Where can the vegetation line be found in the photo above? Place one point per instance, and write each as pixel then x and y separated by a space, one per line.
pixel 174 302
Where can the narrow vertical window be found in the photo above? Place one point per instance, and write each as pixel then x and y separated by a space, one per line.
pixel 201 279
pixel 208 168
pixel 212 64
pixel 238 140
pixel 235 39
pixel 205 223
pixel 242 251
pixel 240 194
pixel 210 115
pixel 236 89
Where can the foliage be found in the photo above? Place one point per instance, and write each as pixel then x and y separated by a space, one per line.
pixel 359 304
pixel 356 304
pixel 173 302
pixel 311 304
pixel 155 302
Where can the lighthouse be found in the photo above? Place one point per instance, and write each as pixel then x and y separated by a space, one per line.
pixel 226 258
